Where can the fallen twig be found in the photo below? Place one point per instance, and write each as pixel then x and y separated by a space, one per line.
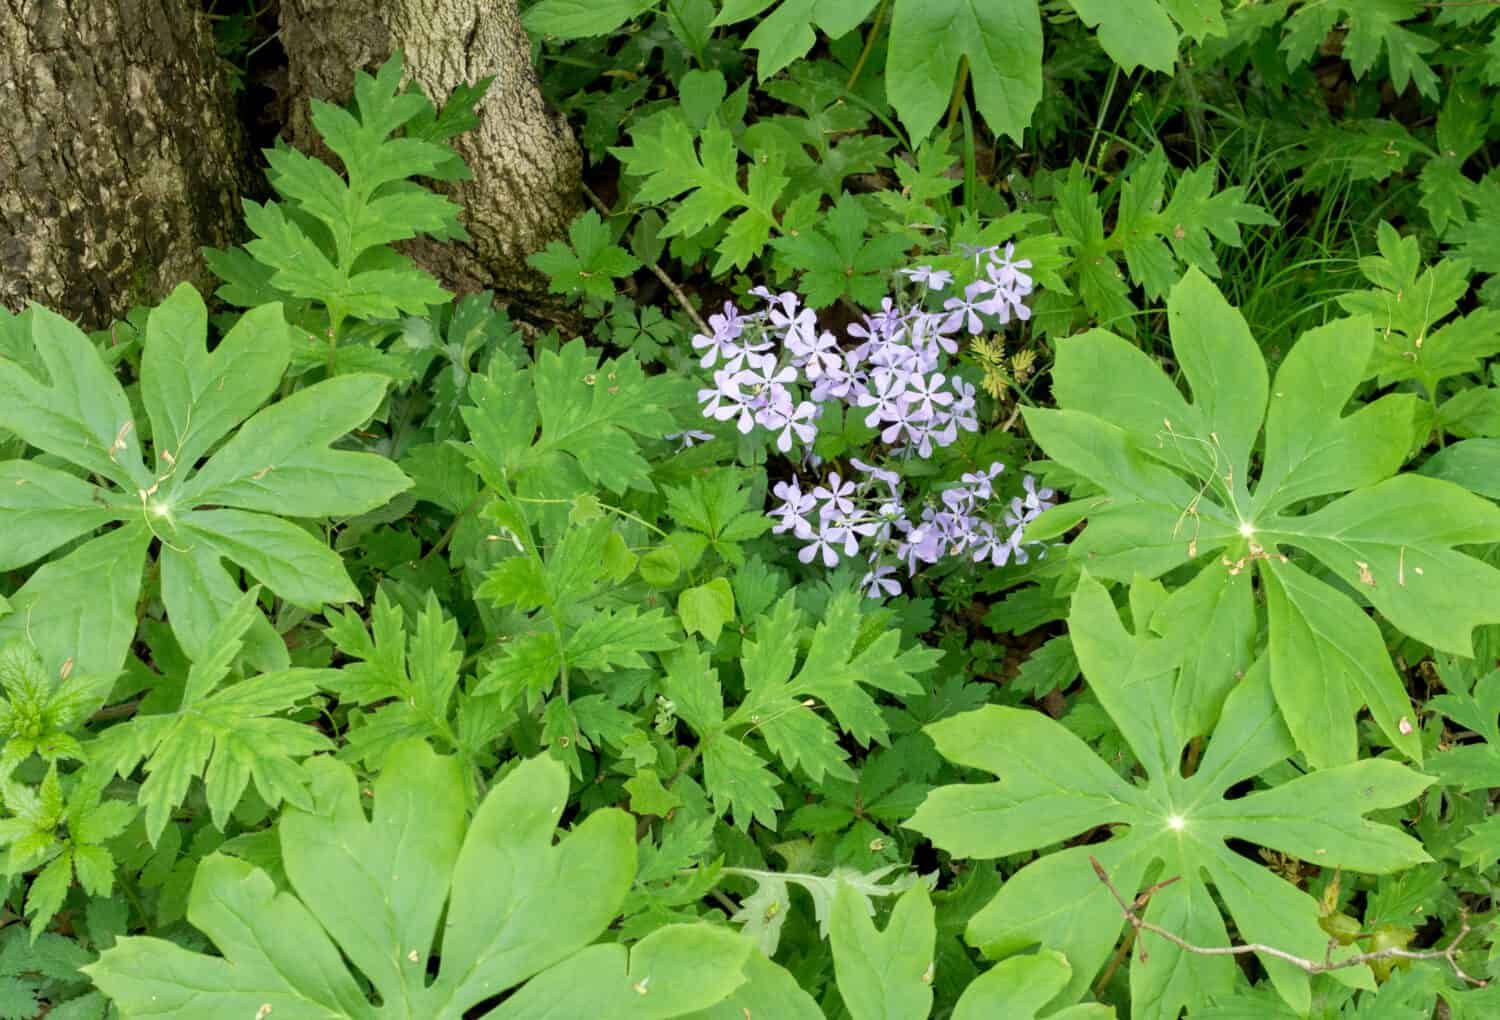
pixel 1132 910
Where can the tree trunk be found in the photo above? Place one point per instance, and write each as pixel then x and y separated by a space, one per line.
pixel 525 161
pixel 120 155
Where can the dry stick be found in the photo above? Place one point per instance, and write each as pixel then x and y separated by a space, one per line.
pixel 666 280
pixel 1131 910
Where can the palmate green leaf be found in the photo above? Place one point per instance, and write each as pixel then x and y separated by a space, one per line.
pixel 837 258
pixel 589 264
pixel 1178 478
pixel 1409 303
pixel 576 19
pixel 664 152
pixel 1373 26
pixel 1002 40
pixel 372 891
pixel 228 732
pixel 589 414
pixel 81 608
pixel 1051 787
pixel 42 712
pixel 884 975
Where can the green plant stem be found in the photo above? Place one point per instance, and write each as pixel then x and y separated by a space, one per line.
pixel 959 88
pixel 870 37
pixel 447 536
pixel 1109 92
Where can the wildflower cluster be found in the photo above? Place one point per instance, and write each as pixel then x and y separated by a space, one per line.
pixel 778 370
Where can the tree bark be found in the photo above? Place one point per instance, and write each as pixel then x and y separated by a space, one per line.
pixel 120 154
pixel 525 161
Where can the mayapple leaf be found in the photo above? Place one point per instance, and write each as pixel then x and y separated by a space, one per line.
pixel 1181 489
pixel 1173 826
pixel 884 975
pixel 280 463
pixel 372 891
pixel 1002 40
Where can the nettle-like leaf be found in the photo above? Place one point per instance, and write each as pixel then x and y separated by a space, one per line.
pixel 664 152
pixel 226 731
pixel 62 826
pixel 329 239
pixel 588 264
pixel 1180 488
pixel 1372 26
pixel 371 891
pixel 567 423
pixel 1409 303
pixel 1157 241
pixel 80 609
pixel 838 259
pixel 1052 787
pixel 780 700
pixel 402 686
pixel 887 975
pixel 42 711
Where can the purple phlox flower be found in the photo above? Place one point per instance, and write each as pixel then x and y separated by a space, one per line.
pixel 724 399
pixel 833 385
pixel 795 506
pixel 987 545
pixel 925 394
pixel 798 421
pixel 823 356
pixel 689 438
pixel 932 279
pixel 835 532
pixel 878 583
pixel 1005 271
pixel 887 397
pixel 980 482
pixel 1037 499
pixel 901 420
pixel 965 311
pixel 960 499
pixel 943 427
pixel 835 494
pixel 878 474
pixel 890 320
pixel 927 331
pixel 1023 512
pixel 923 544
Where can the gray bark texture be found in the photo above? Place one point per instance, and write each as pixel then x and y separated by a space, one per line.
pixel 525 161
pixel 120 154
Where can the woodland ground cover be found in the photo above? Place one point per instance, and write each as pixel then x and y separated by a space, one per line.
pixel 1005 528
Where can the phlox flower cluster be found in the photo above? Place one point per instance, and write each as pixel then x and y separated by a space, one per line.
pixel 776 369
pixel 866 516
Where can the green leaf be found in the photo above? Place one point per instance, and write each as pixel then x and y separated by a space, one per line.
pixel 1473 463
pixel 1020 987
pixel 350 267
pixel 577 19
pixel 1002 40
pixel 226 733
pixel 1178 477
pixel 706 608
pixel 1134 35
pixel 278 463
pixel 1171 826
pixel 663 152
pixel 884 975
pixel 590 265
pixel 373 890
